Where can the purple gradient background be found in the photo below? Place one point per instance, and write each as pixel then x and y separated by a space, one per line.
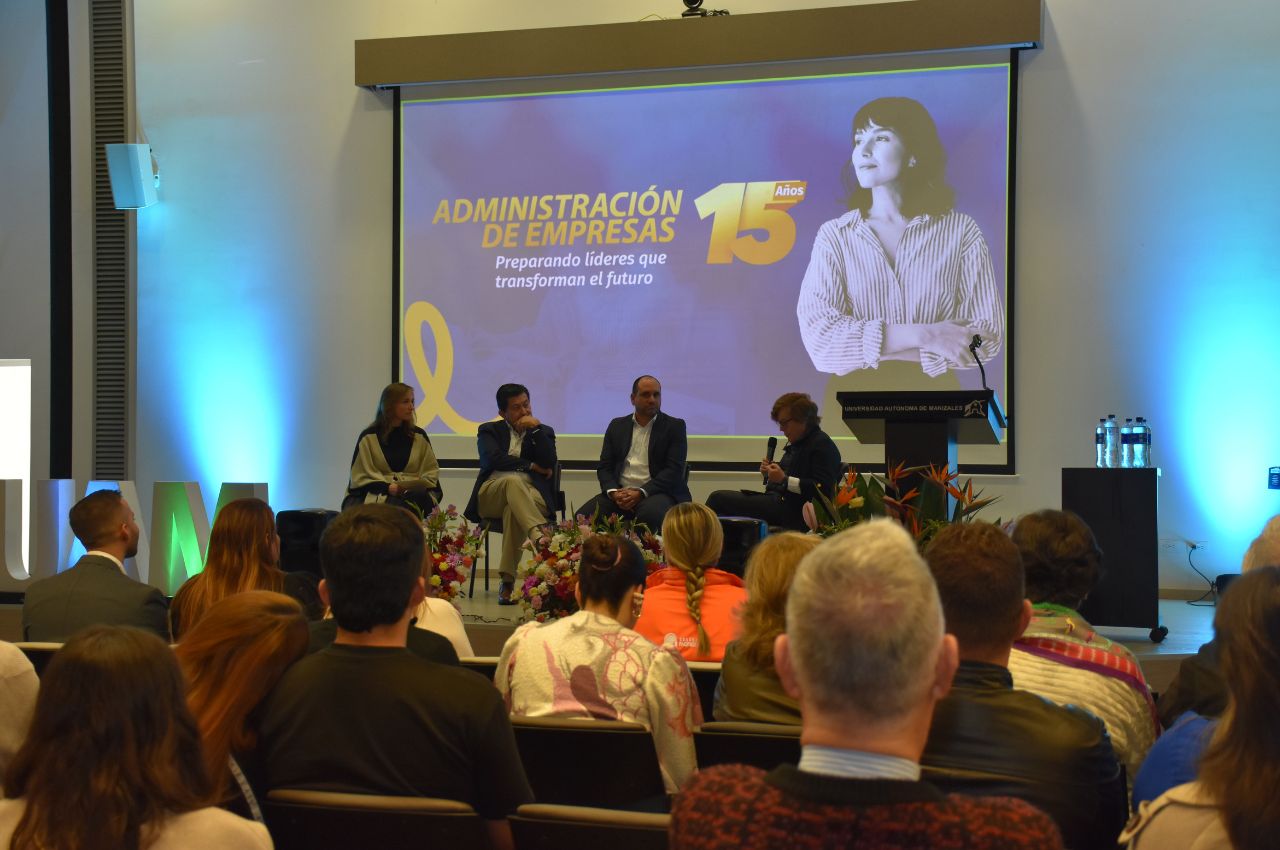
pixel 722 338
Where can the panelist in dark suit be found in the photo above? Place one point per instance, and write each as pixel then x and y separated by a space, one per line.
pixel 96 590
pixel 809 462
pixel 641 469
pixel 517 462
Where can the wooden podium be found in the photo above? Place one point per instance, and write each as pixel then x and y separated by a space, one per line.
pixel 922 428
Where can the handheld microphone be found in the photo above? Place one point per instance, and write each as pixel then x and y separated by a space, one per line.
pixel 773 447
pixel 973 349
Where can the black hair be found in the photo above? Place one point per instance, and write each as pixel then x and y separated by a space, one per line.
pixel 610 566
pixel 371 556
pixel 924 186
pixel 506 392
pixel 635 385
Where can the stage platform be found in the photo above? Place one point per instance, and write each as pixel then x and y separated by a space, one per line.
pixel 489 624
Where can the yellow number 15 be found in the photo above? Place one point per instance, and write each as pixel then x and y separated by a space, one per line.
pixel 739 207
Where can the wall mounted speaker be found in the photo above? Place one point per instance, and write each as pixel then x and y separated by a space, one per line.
pixel 133 183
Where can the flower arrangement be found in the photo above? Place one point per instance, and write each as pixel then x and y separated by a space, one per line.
pixel 650 544
pixel 547 578
pixel 922 510
pixel 453 545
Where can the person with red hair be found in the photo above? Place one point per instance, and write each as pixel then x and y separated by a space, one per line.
pixel 244 554
pixel 231 659
pixel 113 758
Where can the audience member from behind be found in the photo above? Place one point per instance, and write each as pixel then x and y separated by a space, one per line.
pixel 231 659
pixel 592 664
pixel 433 644
pixel 394 461
pixel 1195 700
pixel 1233 805
pixel 18 689
pixel 989 739
pixel 244 554
pixel 1198 686
pixel 113 758
pixel 691 606
pixel 439 617
pixel 1060 656
pixel 365 715
pixel 96 590
pixel 749 690
pixel 866 657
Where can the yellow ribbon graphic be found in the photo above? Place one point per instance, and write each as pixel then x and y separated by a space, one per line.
pixel 435 385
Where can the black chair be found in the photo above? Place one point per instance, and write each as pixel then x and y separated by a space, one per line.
pixel 495 525
pixel 741 534
pixel 762 745
pixel 300 538
pixel 583 762
pixel 706 675
pixel 326 820
pixel 550 827
pixel 39 653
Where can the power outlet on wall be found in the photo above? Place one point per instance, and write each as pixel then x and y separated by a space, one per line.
pixel 1195 545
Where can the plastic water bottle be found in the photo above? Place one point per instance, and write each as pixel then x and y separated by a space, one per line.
pixel 1126 443
pixel 1099 444
pixel 1111 442
pixel 1141 443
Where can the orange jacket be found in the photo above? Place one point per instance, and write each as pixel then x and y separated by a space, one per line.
pixel 665 617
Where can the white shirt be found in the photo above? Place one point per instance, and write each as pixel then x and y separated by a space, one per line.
pixel 635 471
pixel 439 616
pixel 112 558
pixel 517 441
pixel 856 764
pixel 208 829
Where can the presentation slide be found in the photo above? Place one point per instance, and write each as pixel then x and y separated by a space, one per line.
pixel 737 240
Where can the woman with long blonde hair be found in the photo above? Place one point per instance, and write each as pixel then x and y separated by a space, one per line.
pixel 393 460
pixel 232 658
pixel 749 690
pixel 244 554
pixel 112 760
pixel 690 606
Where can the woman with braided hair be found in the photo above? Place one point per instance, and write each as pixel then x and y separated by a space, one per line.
pixel 690 606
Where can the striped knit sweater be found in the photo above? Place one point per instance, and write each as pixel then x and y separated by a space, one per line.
pixel 1126 710
pixel 851 290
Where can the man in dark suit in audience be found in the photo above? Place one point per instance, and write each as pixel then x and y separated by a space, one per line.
pixel 988 738
pixel 367 716
pixel 641 469
pixel 96 590
pixel 866 657
pixel 517 463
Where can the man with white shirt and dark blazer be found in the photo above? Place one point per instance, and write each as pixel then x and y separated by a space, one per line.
pixel 641 469
pixel 517 463
pixel 96 591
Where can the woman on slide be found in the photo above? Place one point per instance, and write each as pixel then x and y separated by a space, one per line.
pixel 902 276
